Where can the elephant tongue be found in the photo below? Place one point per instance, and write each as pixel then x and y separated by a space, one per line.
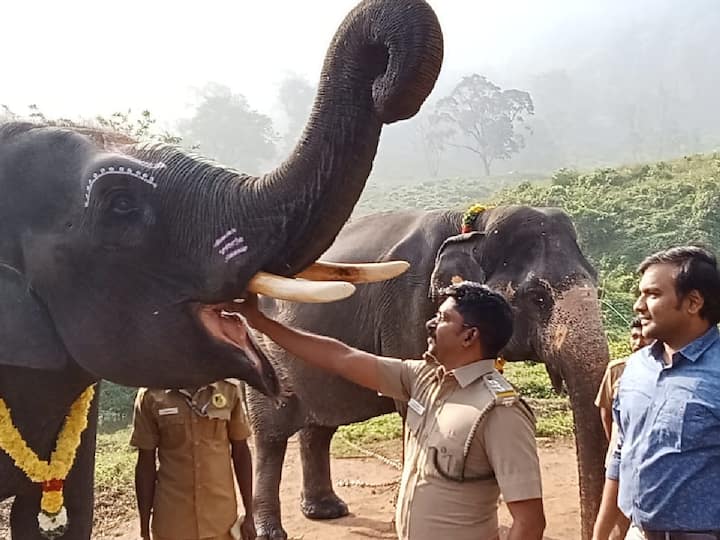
pixel 232 328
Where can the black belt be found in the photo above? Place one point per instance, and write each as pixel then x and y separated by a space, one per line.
pixel 678 535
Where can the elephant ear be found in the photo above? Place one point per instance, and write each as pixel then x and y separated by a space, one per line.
pixel 459 256
pixel 27 334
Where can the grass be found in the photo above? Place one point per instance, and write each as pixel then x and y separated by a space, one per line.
pixel 118 459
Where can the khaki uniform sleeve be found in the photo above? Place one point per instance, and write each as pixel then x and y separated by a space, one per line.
pixel 238 426
pixel 509 441
pixel 605 392
pixel 397 377
pixel 145 433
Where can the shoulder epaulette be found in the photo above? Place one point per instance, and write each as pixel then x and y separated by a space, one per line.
pixel 504 392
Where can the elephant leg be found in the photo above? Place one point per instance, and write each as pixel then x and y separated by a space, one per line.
pixel 318 500
pixel 269 458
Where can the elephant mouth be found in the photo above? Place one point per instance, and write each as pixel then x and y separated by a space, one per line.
pixel 231 329
pixel 321 282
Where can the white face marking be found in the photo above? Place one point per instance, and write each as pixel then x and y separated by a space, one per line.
pixel 230 245
pixel 140 174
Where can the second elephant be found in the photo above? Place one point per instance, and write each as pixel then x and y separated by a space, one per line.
pixel 529 254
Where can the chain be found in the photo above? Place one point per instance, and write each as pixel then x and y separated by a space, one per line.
pixel 395 464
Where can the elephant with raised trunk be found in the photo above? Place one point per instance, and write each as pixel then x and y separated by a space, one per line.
pixel 115 256
pixel 529 254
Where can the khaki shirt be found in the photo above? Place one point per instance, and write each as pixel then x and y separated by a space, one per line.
pixel 502 456
pixel 606 396
pixel 195 490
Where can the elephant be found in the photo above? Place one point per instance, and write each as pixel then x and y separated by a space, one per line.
pixel 115 255
pixel 529 254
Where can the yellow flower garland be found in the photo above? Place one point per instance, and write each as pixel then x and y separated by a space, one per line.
pixel 468 219
pixel 51 474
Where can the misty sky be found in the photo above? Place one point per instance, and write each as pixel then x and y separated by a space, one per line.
pixel 84 57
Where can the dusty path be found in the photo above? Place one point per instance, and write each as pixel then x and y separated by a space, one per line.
pixel 372 509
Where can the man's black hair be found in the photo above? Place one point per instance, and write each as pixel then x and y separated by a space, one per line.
pixel 484 309
pixel 697 270
pixel 635 323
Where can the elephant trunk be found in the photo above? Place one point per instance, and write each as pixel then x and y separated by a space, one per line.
pixel 380 67
pixel 576 352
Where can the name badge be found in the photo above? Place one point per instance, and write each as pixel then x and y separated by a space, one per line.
pixel 169 410
pixel 416 406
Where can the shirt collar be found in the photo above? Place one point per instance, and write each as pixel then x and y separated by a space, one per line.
pixel 469 373
pixel 693 350
pixel 213 385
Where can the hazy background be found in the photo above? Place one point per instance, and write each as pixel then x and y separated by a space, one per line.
pixel 612 81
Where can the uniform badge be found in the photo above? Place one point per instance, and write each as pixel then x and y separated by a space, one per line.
pixel 218 400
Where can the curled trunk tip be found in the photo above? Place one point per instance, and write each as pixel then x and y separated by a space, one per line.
pixel 414 58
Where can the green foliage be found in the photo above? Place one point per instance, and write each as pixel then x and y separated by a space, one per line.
pixel 116 404
pixel 115 461
pixel 380 428
pixel 624 214
pixel 530 378
pixel 553 424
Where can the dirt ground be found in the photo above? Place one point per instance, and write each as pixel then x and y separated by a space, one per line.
pixel 372 508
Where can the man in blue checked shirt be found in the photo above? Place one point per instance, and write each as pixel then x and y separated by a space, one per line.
pixel 665 471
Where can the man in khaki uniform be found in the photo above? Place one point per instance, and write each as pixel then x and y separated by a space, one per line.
pixel 468 438
pixel 199 436
pixel 604 401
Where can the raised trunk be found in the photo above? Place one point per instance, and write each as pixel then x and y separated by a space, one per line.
pixel 576 350
pixel 380 67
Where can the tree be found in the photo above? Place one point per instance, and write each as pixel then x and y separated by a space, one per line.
pixel 296 99
pixel 225 128
pixel 141 128
pixel 481 117
pixel 429 144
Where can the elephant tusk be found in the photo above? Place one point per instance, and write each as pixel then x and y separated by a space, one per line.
pixel 299 290
pixel 354 273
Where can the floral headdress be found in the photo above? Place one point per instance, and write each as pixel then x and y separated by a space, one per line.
pixel 469 217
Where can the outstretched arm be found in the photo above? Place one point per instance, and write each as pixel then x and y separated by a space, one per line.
pixel 330 354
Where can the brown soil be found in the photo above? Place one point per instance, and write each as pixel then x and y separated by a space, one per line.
pixel 372 508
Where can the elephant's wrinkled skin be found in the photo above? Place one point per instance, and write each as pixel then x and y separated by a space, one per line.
pixel 531 255
pixel 111 252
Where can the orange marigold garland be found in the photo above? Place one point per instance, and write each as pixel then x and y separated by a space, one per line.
pixel 52 519
pixel 468 219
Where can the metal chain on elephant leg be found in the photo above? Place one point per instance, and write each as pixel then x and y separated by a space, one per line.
pixel 395 464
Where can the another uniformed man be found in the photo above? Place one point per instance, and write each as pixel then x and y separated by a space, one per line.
pixel 469 438
pixel 604 401
pixel 199 436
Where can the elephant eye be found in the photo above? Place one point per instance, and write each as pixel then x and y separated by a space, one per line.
pixel 122 204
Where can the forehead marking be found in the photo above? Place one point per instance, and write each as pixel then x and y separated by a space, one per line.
pixel 140 174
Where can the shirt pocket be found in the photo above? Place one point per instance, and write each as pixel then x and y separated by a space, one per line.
pixel 446 459
pixel 667 428
pixel 700 426
pixel 172 431
pixel 213 430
